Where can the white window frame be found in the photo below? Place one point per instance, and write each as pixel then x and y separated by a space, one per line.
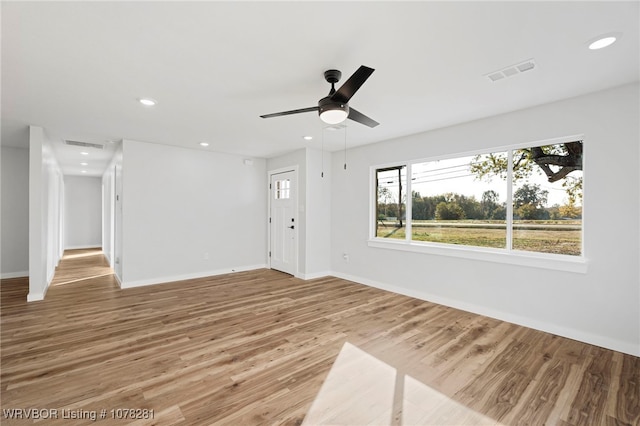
pixel 505 255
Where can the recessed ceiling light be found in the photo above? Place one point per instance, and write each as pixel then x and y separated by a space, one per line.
pixel 84 171
pixel 307 138
pixel 603 40
pixel 204 143
pixel 147 101
pixel 84 164
pixel 84 153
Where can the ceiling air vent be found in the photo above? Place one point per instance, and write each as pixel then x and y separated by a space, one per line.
pixel 84 144
pixel 527 65
pixel 335 127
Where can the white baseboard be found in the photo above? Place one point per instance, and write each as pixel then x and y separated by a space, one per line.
pixel 35 297
pixel 204 274
pixel 593 339
pixel 313 275
pixel 20 274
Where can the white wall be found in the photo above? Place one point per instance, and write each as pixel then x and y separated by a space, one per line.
pixel 189 213
pixel 601 306
pixel 46 195
pixel 318 214
pixel 82 212
pixel 14 258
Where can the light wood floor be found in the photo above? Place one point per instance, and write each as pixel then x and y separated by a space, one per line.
pixel 261 347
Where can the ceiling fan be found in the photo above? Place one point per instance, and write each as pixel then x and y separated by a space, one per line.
pixel 334 108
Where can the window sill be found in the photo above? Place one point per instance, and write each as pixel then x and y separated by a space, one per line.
pixel 557 262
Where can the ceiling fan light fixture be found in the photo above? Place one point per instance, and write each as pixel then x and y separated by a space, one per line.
pixel 332 112
pixel 333 116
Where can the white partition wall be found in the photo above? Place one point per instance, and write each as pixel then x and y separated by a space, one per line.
pixel 46 192
pixel 189 213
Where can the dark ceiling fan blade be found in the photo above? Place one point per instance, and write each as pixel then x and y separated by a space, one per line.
pixel 361 118
pixel 351 86
pixel 294 111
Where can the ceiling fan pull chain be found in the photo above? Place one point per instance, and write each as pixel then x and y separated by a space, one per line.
pixel 322 153
pixel 345 147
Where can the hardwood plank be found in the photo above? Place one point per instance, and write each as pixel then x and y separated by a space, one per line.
pixel 257 347
pixel 543 393
pixel 628 396
pixel 589 406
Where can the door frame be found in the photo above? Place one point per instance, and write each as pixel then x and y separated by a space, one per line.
pixel 270 173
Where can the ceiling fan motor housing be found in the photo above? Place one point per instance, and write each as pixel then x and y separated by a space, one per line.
pixel 332 76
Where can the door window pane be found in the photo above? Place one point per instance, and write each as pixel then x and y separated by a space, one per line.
pixel 282 189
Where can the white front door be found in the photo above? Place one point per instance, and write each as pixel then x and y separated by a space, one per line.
pixel 283 222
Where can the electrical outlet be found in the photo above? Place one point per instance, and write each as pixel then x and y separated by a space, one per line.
pixel 345 256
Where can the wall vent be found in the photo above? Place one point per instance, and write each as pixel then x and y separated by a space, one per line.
pixel 84 144
pixel 527 65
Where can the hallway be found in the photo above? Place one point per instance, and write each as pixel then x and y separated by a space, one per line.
pixel 80 265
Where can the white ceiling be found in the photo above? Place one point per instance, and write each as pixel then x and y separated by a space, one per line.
pixel 77 69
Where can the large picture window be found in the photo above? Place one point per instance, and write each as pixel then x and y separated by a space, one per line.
pixel 519 200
